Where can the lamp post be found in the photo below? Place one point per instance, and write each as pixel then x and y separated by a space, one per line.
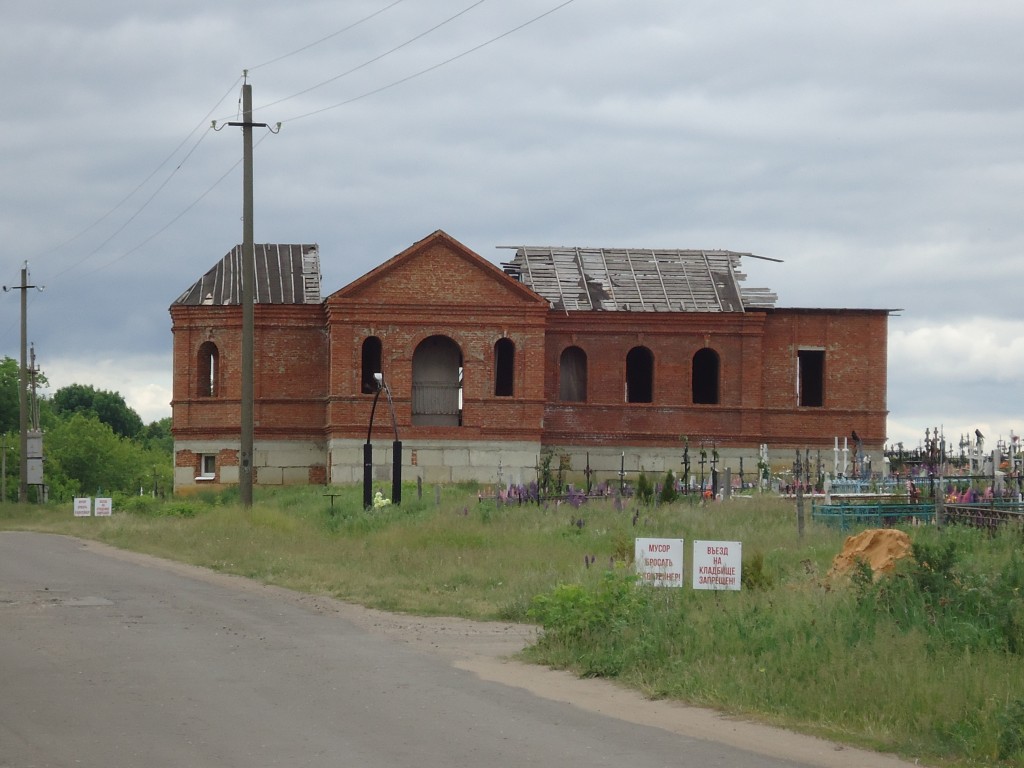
pixel 396 467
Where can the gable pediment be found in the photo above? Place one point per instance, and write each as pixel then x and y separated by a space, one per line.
pixel 437 270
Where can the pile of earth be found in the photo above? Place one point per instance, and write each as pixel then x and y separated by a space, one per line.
pixel 880 548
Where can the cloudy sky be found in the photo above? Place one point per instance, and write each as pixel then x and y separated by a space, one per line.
pixel 877 148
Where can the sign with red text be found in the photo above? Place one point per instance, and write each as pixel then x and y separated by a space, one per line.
pixel 83 506
pixel 659 562
pixel 717 564
pixel 103 507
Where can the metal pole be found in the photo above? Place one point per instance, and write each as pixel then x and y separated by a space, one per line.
pixel 245 470
pixel 396 472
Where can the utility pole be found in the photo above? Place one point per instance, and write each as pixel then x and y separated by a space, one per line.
pixel 23 383
pixel 248 318
pixel 248 257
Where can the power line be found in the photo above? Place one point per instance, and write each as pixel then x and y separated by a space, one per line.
pixel 375 59
pixel 367 94
pixel 413 76
pixel 141 184
pixel 176 218
pixel 328 37
pixel 139 210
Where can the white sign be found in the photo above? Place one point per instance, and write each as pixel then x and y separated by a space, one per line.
pixel 83 506
pixel 659 562
pixel 104 507
pixel 717 564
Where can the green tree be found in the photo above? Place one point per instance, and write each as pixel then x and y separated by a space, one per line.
pixel 157 435
pixel 109 407
pixel 9 414
pixel 85 456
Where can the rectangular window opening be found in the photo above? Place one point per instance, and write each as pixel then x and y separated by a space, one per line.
pixel 208 466
pixel 810 380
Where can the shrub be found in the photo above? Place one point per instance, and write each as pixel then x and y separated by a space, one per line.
pixel 644 489
pixel 668 490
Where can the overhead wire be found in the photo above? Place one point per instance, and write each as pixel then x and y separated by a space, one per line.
pixel 139 210
pixel 179 216
pixel 312 113
pixel 375 59
pixel 306 47
pixel 140 185
pixel 421 72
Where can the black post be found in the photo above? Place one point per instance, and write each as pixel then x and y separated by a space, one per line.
pixel 396 472
pixel 367 475
pixel 368 453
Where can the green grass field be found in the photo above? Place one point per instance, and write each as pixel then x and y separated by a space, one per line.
pixel 925 663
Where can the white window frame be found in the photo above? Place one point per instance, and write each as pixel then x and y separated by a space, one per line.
pixel 207 466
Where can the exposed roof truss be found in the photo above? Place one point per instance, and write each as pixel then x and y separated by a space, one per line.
pixel 637 279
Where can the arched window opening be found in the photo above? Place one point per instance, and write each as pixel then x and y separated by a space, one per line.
pixel 704 377
pixel 504 367
pixel 437 383
pixel 639 375
pixel 372 352
pixel 208 370
pixel 572 375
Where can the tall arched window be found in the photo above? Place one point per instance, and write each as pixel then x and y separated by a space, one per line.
pixel 572 375
pixel 437 383
pixel 504 367
pixel 372 348
pixel 704 377
pixel 639 375
pixel 208 370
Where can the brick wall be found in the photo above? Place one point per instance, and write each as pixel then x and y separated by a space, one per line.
pixel 308 384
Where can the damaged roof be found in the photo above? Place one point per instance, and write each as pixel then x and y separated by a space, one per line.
pixel 285 274
pixel 638 279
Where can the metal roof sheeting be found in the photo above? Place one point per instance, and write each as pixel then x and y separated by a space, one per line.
pixel 637 279
pixel 285 274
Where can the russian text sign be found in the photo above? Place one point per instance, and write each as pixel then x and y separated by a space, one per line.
pixel 659 562
pixel 104 507
pixel 717 564
pixel 83 506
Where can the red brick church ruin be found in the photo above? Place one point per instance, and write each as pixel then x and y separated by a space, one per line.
pixel 601 356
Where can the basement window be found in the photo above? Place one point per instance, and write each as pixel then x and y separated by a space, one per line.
pixel 207 466
pixel 810 378
pixel 504 367
pixel 639 375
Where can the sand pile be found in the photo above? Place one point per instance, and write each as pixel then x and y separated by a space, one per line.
pixel 878 547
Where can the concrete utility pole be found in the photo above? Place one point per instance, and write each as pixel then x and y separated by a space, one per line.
pixel 23 383
pixel 248 256
pixel 248 294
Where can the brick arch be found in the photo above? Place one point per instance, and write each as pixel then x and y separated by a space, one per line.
pixel 639 375
pixel 208 376
pixel 572 375
pixel 437 365
pixel 705 375
pixel 371 359
pixel 504 367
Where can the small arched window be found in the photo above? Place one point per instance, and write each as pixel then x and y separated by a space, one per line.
pixel 639 375
pixel 504 367
pixel 208 370
pixel 572 375
pixel 704 377
pixel 372 352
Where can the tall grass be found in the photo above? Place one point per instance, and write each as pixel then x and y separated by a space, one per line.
pixel 926 663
